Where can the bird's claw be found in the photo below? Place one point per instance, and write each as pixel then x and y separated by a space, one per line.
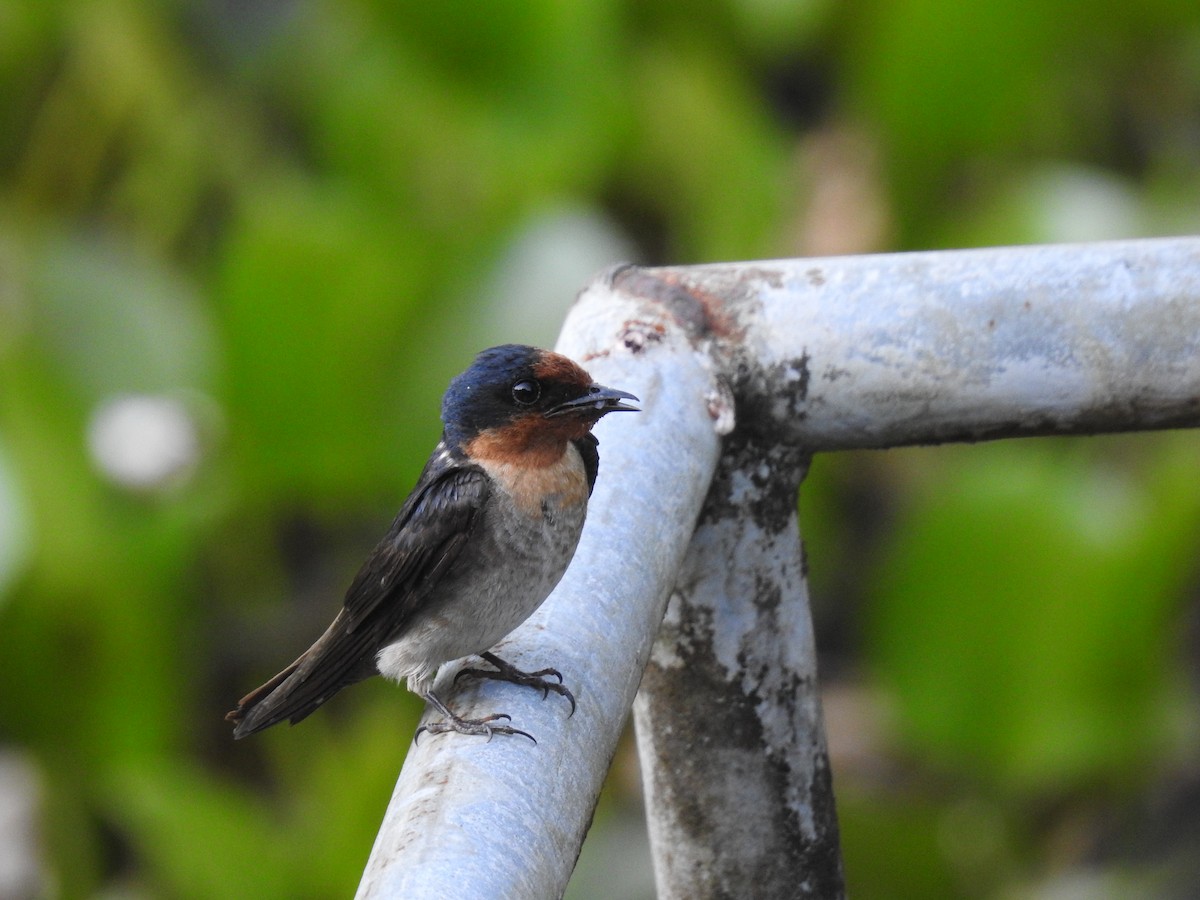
pixel 472 726
pixel 508 672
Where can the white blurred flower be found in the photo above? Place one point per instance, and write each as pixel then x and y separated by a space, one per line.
pixel 15 536
pixel 143 442
pixel 21 865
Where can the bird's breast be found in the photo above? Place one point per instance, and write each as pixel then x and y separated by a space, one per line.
pixel 537 491
pixel 519 549
pixel 531 527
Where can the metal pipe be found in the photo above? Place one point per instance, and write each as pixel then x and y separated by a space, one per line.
pixel 782 358
pixel 506 818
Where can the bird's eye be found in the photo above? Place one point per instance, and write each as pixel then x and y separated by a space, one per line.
pixel 526 392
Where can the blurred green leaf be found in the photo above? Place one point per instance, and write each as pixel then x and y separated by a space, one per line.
pixel 707 155
pixel 948 82
pixel 1019 611
pixel 895 847
pixel 201 838
pixel 337 780
pixel 315 291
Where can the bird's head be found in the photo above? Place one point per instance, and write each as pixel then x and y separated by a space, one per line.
pixel 520 403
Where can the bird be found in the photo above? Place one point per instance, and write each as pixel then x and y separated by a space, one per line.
pixel 482 539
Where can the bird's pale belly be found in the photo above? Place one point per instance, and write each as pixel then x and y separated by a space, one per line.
pixel 500 580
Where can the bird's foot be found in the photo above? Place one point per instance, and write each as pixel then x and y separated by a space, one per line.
pixel 508 672
pixel 471 726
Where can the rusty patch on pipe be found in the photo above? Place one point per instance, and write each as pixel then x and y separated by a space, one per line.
pixel 636 334
pixel 700 312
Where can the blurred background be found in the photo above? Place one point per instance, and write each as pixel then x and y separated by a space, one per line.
pixel 244 246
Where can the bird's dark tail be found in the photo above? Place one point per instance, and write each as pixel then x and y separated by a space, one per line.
pixel 321 671
pixel 266 705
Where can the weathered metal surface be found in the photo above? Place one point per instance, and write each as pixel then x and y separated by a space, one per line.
pixel 967 345
pixel 780 359
pixel 734 761
pixel 507 818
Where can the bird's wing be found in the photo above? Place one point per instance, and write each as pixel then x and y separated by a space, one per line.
pixel 423 541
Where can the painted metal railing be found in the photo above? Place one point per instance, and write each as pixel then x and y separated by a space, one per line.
pixel 690 579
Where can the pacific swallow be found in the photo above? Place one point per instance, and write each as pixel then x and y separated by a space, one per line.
pixel 481 541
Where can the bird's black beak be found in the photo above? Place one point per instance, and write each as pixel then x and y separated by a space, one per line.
pixel 597 401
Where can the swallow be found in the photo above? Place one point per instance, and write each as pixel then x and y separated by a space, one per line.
pixel 481 541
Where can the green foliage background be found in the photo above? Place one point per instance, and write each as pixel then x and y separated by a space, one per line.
pixel 299 219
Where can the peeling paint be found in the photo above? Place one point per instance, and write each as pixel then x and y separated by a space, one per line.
pixel 729 707
pixel 905 349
